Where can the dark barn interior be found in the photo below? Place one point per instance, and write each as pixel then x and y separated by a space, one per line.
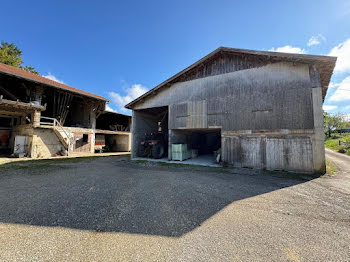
pixel 153 122
pixel 113 121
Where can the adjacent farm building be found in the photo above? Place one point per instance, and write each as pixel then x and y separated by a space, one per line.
pixel 258 109
pixel 43 118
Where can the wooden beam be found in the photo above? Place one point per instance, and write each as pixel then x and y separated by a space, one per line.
pixel 9 94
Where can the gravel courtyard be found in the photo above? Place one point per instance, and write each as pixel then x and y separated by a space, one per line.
pixel 113 209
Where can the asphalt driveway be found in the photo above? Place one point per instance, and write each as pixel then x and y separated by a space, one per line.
pixel 111 209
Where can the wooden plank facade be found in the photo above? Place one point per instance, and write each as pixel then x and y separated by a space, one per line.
pixel 266 105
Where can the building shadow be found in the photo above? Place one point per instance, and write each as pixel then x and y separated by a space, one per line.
pixel 123 196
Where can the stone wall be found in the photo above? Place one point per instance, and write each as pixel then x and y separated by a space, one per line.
pixel 43 142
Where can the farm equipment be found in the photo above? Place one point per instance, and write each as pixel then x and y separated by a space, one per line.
pixel 153 146
pixel 100 143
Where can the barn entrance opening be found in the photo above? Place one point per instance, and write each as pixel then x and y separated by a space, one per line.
pixel 150 139
pixel 200 146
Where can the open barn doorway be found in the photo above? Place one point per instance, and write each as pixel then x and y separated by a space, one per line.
pixel 6 123
pixel 198 146
pixel 150 133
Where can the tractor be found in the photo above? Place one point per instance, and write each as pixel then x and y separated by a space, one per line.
pixel 154 145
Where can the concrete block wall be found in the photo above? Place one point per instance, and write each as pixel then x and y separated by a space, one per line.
pixel 319 160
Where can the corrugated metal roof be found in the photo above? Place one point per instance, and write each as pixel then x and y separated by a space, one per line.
pixel 20 73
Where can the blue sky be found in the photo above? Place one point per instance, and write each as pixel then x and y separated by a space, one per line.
pixel 119 49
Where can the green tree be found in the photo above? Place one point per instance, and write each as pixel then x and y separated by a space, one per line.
pixel 11 55
pixel 333 122
pixel 30 69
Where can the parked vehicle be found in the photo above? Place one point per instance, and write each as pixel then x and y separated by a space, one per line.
pixel 154 145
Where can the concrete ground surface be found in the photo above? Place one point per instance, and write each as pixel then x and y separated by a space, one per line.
pixel 203 160
pixel 111 209
pixel 342 163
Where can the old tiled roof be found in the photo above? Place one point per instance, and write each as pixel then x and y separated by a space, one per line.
pixel 325 64
pixel 20 73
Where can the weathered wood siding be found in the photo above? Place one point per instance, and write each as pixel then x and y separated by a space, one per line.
pixel 189 115
pixel 291 153
pixel 266 111
pixel 276 96
pixel 222 64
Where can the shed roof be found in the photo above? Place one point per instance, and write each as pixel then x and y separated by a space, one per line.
pixel 20 73
pixel 115 113
pixel 325 65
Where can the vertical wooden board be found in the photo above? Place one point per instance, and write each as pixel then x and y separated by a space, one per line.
pixel 178 115
pixel 215 120
pixel 231 150
pixel 252 152
pixel 298 154
pixel 197 114
pixel 181 121
pixel 274 154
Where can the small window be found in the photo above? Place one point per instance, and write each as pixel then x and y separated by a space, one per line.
pixel 85 138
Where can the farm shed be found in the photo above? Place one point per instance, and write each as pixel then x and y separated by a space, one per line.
pixel 113 130
pixel 258 109
pixel 43 118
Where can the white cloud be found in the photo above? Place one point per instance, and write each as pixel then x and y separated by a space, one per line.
pixel 329 107
pixel 342 92
pixel 332 85
pixel 288 49
pixel 316 40
pixel 342 51
pixel 131 93
pixel 110 109
pixel 53 78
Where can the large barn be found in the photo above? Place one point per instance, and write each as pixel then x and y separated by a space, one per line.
pixel 258 109
pixel 44 118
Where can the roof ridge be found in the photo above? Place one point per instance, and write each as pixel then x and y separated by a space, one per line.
pixel 21 73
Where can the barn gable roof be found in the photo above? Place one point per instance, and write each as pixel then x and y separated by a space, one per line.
pixel 20 73
pixel 325 65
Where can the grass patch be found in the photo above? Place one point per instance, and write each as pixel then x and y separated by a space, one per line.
pixel 37 167
pixel 330 168
pixel 333 143
pixel 43 164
